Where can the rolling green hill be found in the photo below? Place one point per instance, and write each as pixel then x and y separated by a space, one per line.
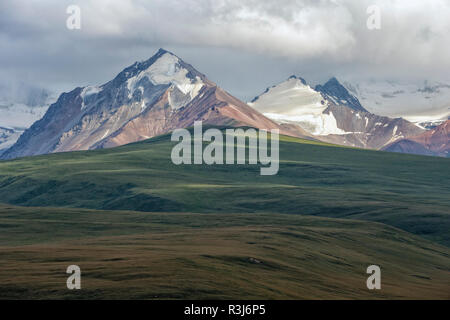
pixel 406 191
pixel 140 255
pixel 142 228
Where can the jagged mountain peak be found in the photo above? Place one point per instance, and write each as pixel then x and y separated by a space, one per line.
pixel 143 81
pixel 292 83
pixel 336 93
pixel 163 63
pixel 333 81
pixel 163 51
pixel 303 81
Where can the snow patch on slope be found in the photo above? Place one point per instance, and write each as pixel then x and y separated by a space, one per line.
pixel 323 124
pixel 291 97
pixel 293 101
pixel 167 70
pixel 88 92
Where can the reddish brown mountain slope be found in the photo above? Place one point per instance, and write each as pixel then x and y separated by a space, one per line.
pixel 433 142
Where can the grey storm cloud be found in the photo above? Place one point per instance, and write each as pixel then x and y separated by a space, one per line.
pixel 243 45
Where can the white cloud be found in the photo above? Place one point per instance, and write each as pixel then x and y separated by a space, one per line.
pixel 413 31
pixel 414 39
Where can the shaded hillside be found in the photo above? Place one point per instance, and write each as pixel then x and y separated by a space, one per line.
pixel 406 191
pixel 138 255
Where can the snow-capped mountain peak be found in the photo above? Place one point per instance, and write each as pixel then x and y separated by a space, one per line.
pixel 331 113
pixel 143 81
pixel 287 96
pixel 298 78
pixel 168 70
pixel 335 92
pixel 294 101
pixel 162 71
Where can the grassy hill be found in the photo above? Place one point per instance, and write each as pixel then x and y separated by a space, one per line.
pixel 140 255
pixel 140 227
pixel 406 191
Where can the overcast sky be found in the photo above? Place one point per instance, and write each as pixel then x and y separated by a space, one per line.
pixel 243 45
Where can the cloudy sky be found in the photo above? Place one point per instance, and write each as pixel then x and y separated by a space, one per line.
pixel 243 45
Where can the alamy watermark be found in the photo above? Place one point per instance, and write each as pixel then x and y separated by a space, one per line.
pixel 374 280
pixel 374 19
pixel 73 22
pixel 228 148
pixel 74 280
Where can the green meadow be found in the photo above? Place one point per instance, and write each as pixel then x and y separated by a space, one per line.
pixel 141 227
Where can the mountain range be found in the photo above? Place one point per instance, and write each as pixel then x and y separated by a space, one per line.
pixel 146 99
pixel 163 93
pixel 331 113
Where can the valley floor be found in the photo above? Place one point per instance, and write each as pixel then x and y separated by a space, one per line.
pixel 138 255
